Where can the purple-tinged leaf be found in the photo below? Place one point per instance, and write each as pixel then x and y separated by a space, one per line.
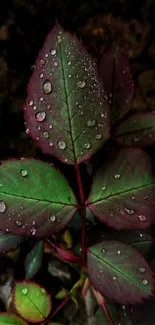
pixel 33 260
pixel 66 111
pixel 123 191
pixel 11 319
pixel 118 314
pixel 119 272
pixel 137 130
pixel 32 302
pixel 35 198
pixel 117 80
pixel 9 241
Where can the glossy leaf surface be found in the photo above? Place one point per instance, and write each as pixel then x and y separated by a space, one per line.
pixel 9 241
pixel 137 130
pixel 10 319
pixel 66 110
pixel 35 199
pixel 31 301
pixel 117 80
pixel 123 191
pixel 33 260
pixel 119 272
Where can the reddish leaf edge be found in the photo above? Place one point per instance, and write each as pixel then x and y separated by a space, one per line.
pixel 142 300
pixel 37 142
pixel 14 316
pixel 36 285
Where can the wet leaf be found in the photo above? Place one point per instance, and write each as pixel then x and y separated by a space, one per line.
pixel 31 301
pixel 9 241
pixel 33 260
pixel 122 194
pixel 119 315
pixel 119 272
pixel 66 111
pixel 137 130
pixel 35 199
pixel 117 80
pixel 11 319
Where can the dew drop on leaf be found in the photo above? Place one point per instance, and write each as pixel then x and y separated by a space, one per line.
pixel 98 136
pixel 117 176
pixel 118 252
pixel 146 197
pixel 41 75
pixel 32 231
pixel 40 116
pixel 81 84
pixel 91 122
pixel 45 135
pixel 141 270
pixel 18 223
pixel 62 144
pixel 51 144
pixel 129 211
pixel 103 188
pixel 28 131
pixel 145 281
pixel 104 250
pixel 24 172
pixel 87 145
pixel 2 206
pixel 24 291
pixel 55 64
pixel 114 278
pixel 52 218
pixel 31 102
pixel 53 52
pixel 142 217
pixel 47 87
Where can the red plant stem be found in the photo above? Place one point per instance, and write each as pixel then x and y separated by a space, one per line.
pixel 83 214
pixel 63 303
pixel 102 304
pixel 64 254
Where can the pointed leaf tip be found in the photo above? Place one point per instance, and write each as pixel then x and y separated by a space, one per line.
pixel 119 272
pixel 122 194
pixel 66 109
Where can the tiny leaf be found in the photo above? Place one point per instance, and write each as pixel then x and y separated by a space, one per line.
pixel 119 272
pixel 123 191
pixel 35 198
pixel 33 260
pixel 66 110
pixel 10 319
pixel 137 130
pixel 117 81
pixel 31 301
pixel 9 241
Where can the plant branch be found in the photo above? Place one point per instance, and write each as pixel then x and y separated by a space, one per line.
pixel 63 303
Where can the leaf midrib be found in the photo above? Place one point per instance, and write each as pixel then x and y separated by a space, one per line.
pixel 118 272
pixel 134 131
pixel 121 192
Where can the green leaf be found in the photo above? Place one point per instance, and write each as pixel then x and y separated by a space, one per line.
pixel 35 199
pixel 66 109
pixel 137 130
pixel 31 301
pixel 119 272
pixel 9 241
pixel 118 314
pixel 122 194
pixel 33 260
pixel 11 319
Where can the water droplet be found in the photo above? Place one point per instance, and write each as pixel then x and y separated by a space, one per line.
pixel 69 76
pixel 40 116
pixel 24 291
pixel 50 126
pixel 104 250
pixel 117 176
pixel 2 206
pixel 55 64
pixel 98 136
pixel 62 144
pixel 118 252
pixel 52 218
pixel 146 197
pixel 114 278
pixel 145 281
pixel 28 131
pixel 51 144
pixel 103 188
pixel 133 198
pixel 142 217
pixel 141 235
pixel 47 87
pixel 42 62
pixel 81 84
pixel 87 145
pixel 123 307
pixel 45 135
pixel 41 75
pixel 34 107
pixel 69 63
pixel 41 99
pixel 129 211
pixel 31 102
pixel 18 223
pixel 24 172
pixel 32 231
pixel 53 52
pixel 91 122
pixel 48 106
pixel 142 270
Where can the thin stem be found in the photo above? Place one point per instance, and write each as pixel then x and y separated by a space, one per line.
pixel 102 304
pixel 64 254
pixel 63 303
pixel 83 214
